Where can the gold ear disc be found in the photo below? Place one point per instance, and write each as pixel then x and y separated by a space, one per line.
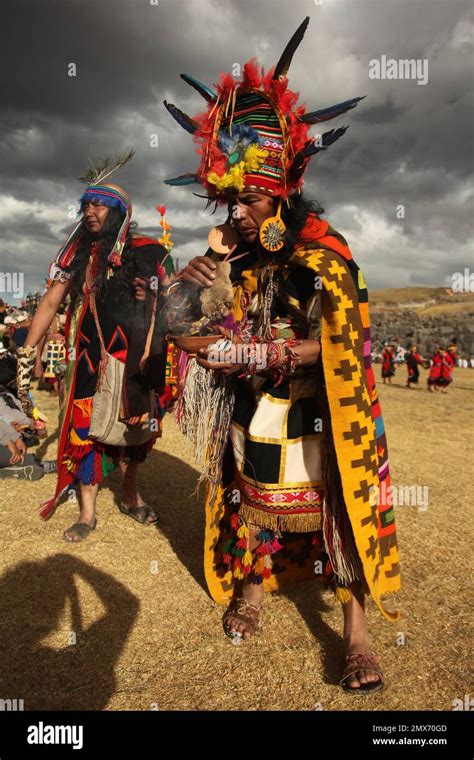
pixel 223 239
pixel 272 234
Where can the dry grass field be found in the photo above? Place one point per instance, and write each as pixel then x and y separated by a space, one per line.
pixel 124 621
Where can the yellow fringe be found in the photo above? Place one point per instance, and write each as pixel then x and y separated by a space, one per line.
pixel 306 523
pixel 343 594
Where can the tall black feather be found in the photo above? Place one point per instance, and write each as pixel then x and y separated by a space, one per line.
pixel 284 63
pixel 183 179
pixel 302 157
pixel 201 88
pixel 182 118
pixel 327 139
pixel 325 114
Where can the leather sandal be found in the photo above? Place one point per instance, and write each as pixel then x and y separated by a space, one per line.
pixel 245 612
pixel 354 664
pixel 79 529
pixel 140 514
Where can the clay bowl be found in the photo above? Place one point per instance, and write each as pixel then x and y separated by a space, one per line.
pixel 192 343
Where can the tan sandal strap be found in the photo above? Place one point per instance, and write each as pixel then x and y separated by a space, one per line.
pixel 244 610
pixel 358 662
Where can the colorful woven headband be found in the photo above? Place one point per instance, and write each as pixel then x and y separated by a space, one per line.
pixel 253 135
pixel 108 196
pixel 112 197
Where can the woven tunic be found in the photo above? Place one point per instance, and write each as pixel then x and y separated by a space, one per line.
pixel 276 426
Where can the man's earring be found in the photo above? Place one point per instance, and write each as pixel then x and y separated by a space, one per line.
pixel 272 231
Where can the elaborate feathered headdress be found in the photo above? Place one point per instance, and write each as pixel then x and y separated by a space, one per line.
pixel 109 195
pixel 254 135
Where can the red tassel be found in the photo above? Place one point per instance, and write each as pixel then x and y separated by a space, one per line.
pixel 47 508
pixel 275 546
pixel 234 521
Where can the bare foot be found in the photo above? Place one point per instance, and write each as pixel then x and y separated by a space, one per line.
pixel 356 638
pixel 242 619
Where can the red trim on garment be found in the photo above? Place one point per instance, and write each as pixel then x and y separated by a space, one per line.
pixel 139 241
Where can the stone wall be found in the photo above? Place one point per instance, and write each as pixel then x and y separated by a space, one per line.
pixel 425 332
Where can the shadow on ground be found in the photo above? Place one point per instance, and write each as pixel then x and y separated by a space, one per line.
pixel 78 676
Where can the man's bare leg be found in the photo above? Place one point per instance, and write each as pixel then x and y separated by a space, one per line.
pixel 87 509
pixel 252 592
pixel 131 497
pixel 356 635
pixel 132 501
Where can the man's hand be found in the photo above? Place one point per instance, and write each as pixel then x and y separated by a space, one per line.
pixel 140 284
pixel 308 351
pixel 200 272
pixel 15 453
pixel 21 446
pixel 226 363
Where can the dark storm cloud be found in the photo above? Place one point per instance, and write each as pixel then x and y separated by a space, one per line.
pixel 407 144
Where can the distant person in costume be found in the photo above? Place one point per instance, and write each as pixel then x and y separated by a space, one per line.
pixel 287 410
pixel 413 360
pixel 447 371
pixel 388 364
pixel 51 355
pixel 99 266
pixel 440 374
pixel 400 354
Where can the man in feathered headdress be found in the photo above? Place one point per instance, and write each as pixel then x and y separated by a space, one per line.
pixel 103 267
pixel 299 479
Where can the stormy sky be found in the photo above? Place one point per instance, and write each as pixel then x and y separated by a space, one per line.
pixel 408 144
